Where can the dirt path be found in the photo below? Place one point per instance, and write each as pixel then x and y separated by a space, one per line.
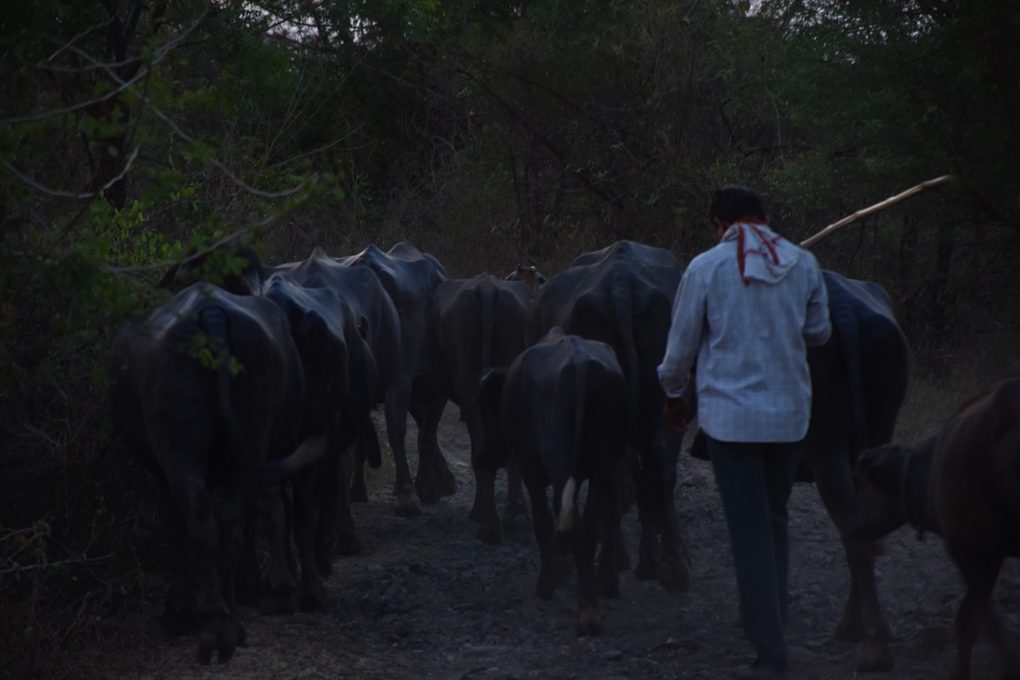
pixel 427 600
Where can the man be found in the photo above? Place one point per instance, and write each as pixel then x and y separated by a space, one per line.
pixel 746 311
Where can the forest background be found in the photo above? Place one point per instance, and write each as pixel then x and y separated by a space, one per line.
pixel 488 132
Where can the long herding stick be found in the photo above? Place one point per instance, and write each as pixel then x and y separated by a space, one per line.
pixel 870 210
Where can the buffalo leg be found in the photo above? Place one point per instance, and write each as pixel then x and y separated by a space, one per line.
pixel 279 595
pixel 648 544
pixel 542 521
pixel 589 619
pixel 178 609
pixel 862 617
pixel 218 630
pixel 491 530
pixel 514 489
pixel 611 536
pixel 312 592
pixel 348 542
pixel 367 449
pixel 655 482
pixel 248 563
pixel 434 480
pixel 397 402
pixel 980 574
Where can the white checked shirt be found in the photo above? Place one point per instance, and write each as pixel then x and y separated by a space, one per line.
pixel 750 341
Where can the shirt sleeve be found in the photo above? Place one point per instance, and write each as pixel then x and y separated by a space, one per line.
pixel 684 339
pixel 817 327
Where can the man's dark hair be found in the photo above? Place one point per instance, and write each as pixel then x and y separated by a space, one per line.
pixel 733 202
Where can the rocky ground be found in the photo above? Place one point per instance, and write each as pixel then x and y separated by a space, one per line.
pixel 427 600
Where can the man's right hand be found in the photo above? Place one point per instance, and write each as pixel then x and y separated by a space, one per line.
pixel 675 414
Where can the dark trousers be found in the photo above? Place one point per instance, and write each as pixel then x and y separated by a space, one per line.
pixel 754 483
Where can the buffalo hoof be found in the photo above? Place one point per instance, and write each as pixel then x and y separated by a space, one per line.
pixel 407 504
pixel 348 545
pixel 491 533
pixel 873 656
pixel 646 570
pixel 850 629
pixel 608 583
pixel 313 597
pixel 590 621
pixel 248 592
pixel 516 509
pixel 546 586
pixel 220 634
pixel 476 514
pixel 621 557
pixel 324 558
pixel 563 567
pixel 517 526
pixel 674 574
pixel 177 621
pixel 435 481
pixel 358 493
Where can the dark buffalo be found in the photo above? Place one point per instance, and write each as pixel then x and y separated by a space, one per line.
pixel 964 484
pixel 858 382
pixel 205 389
pixel 478 323
pixel 561 410
pixel 339 388
pixel 410 277
pixel 379 322
pixel 622 295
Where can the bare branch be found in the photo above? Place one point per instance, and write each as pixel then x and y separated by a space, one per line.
pixel 219 165
pixel 94 64
pixel 312 152
pixel 17 569
pixel 79 106
pixel 68 194
pixel 72 41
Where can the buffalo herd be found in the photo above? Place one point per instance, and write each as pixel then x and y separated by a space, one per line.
pixel 247 396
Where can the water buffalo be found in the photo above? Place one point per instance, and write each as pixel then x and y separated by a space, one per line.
pixel 963 483
pixel 858 382
pixel 410 277
pixel 379 322
pixel 204 389
pixel 339 375
pixel 561 409
pixel 478 324
pixel 623 296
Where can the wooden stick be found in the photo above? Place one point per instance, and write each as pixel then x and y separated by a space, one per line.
pixel 870 210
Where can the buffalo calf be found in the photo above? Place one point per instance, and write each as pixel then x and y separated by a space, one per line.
pixel 561 410
pixel 963 483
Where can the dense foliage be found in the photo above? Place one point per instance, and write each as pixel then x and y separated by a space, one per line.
pixel 488 132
